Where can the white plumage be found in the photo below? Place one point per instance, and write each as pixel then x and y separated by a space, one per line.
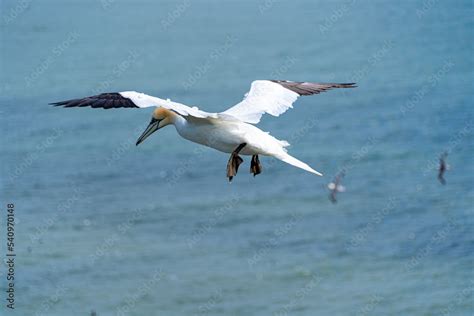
pixel 227 130
pixel 264 97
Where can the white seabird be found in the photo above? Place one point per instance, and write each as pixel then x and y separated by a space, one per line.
pixel 232 131
pixel 336 186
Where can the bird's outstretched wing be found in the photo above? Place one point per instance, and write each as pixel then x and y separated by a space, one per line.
pixel 132 99
pixel 276 97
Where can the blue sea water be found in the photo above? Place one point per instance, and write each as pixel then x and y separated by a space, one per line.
pixel 104 226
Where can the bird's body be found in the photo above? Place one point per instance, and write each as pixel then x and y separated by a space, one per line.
pixel 226 135
pixel 232 131
pixel 443 167
pixel 336 186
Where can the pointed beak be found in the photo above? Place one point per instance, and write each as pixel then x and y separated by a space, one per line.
pixel 151 128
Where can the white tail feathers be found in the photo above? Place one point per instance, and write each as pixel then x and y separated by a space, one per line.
pixel 297 163
pixel 284 143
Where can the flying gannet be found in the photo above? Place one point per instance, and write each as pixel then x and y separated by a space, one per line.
pixel 232 131
pixel 443 166
pixel 335 186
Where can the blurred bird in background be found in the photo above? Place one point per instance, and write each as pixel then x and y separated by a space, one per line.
pixel 443 167
pixel 336 186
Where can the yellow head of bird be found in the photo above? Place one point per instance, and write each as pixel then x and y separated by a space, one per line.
pixel 160 118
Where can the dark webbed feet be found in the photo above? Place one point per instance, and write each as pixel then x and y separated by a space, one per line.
pixel 234 162
pixel 233 166
pixel 255 165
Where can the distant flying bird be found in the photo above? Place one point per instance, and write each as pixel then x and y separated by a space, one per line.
pixel 443 166
pixel 231 131
pixel 336 187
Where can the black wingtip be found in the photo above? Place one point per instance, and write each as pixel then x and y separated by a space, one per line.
pixel 59 103
pixel 104 100
pixel 349 85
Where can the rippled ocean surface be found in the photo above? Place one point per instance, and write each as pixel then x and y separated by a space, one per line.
pixel 103 226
